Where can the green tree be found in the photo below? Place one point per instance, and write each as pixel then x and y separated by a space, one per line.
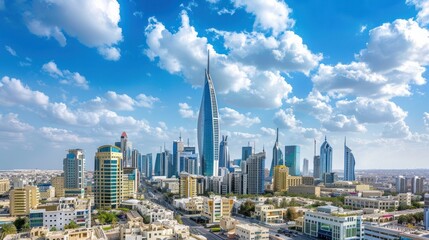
pixel 53 229
pixel 146 219
pixel 247 208
pixel 178 218
pixel 21 224
pixel 7 229
pixel 71 225
pixel 291 214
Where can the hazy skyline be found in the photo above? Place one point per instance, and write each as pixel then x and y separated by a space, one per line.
pixel 311 68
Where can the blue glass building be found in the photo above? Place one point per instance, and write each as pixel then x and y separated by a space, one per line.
pixel 74 169
pixel 292 159
pixel 277 155
pixel 255 170
pixel 349 164
pixel 325 158
pixel 246 152
pixel 208 127
pixel 224 159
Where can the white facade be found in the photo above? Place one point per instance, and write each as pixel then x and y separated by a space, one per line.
pixel 154 211
pixel 377 203
pixel 251 232
pixel 334 225
pixel 68 210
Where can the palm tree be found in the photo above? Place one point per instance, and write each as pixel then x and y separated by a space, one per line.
pixel 7 229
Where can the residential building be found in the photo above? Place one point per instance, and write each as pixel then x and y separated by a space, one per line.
pixel 417 184
pixel 190 205
pixel 215 207
pixel 268 214
pixel 292 160
pixel 140 231
pixel 135 157
pixel 308 180
pixel 330 222
pixel 22 200
pixel 282 180
pixel 255 165
pixel 58 215
pixel 108 179
pixel 372 193
pixel 379 232
pixel 208 127
pixel 4 186
pixel 325 158
pixel 58 183
pixel 237 183
pixel 44 233
pixel 47 192
pixel 130 182
pixel 404 199
pixel 154 211
pixel 305 164
pixel 305 190
pixel 374 203
pixel 74 173
pixel 277 155
pixel 188 185
pixel 349 164
pixel 251 232
pixel 224 158
pixel 228 223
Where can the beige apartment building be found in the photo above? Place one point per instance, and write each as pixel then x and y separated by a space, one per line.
pixel 22 200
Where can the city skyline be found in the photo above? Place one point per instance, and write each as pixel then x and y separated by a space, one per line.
pixel 68 83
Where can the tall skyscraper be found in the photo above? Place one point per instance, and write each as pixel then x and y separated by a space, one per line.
pixel 126 149
pixel 246 151
pixel 108 177
pixel 417 185
pixel 224 159
pixel 147 165
pixel 74 172
pixel 163 164
pixel 277 155
pixel 401 184
pixel 178 148
pixel 305 167
pixel 255 173
pixel 292 159
pixel 325 158
pixel 349 164
pixel 316 167
pixel 208 127
pixel 135 156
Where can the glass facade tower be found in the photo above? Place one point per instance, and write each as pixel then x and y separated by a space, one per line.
pixel 277 155
pixel 292 159
pixel 208 127
pixel 349 164
pixel 325 158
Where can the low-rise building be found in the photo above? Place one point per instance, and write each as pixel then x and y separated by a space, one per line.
pixel 140 231
pixel 268 214
pixel 374 232
pixel 305 190
pixel 154 211
pixel 47 193
pixel 404 199
pixel 372 193
pixel 228 223
pixel 58 215
pixel 330 222
pixel 307 180
pixel 216 207
pixel 190 205
pixel 251 232
pixel 22 200
pixel 378 203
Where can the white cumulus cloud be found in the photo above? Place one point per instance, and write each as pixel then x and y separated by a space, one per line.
pixel 93 23
pixel 65 76
pixel 186 111
pixel 231 117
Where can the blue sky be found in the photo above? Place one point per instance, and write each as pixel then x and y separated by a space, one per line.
pixel 75 74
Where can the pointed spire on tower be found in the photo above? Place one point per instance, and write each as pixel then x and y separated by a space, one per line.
pixel 277 136
pixel 208 61
pixel 188 142
pixel 180 136
pixel 345 143
pixel 325 138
